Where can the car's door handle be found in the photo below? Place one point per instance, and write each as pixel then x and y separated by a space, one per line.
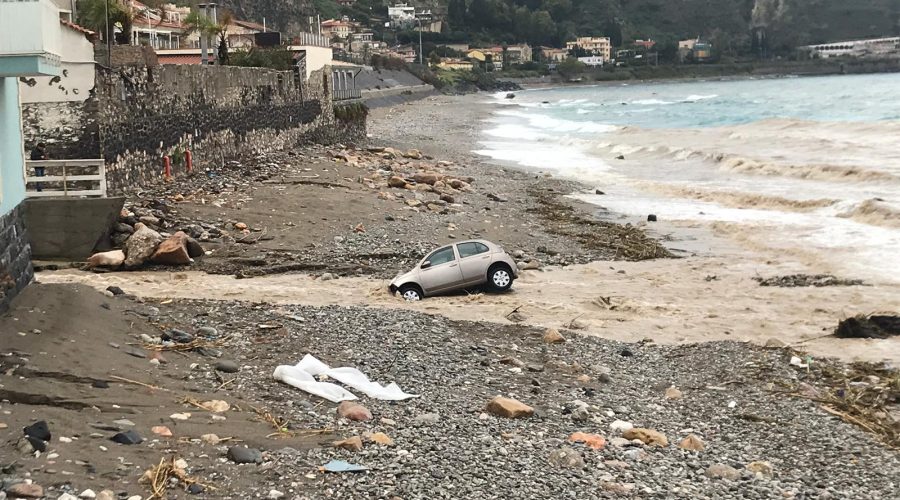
pixel 453 265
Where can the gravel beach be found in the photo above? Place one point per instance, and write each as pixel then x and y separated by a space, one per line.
pixel 685 377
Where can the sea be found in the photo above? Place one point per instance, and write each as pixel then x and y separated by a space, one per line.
pixel 807 167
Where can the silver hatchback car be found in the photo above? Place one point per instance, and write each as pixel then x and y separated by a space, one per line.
pixel 460 265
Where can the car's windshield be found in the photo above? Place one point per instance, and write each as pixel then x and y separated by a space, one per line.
pixel 441 256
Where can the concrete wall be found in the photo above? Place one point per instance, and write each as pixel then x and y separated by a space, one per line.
pixel 12 165
pixel 77 79
pixel 317 58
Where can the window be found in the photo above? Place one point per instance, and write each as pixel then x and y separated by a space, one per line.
pixel 470 249
pixel 442 256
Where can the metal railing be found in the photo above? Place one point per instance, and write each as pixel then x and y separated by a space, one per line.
pixel 345 94
pixel 46 178
pixel 310 39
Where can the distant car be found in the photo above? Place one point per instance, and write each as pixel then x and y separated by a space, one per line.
pixel 458 266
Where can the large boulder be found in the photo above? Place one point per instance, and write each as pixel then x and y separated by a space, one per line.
pixel 397 182
pixel 429 178
pixel 173 251
pixel 113 258
pixel 141 245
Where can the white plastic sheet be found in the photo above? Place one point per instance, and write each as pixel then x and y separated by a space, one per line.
pixel 302 376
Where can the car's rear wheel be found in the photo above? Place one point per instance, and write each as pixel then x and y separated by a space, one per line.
pixel 500 278
pixel 411 293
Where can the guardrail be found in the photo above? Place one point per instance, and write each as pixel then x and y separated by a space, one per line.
pixel 47 178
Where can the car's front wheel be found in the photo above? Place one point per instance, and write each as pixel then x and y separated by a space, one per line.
pixel 500 278
pixel 411 293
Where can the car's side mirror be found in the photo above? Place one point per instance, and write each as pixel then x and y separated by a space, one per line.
pixel 426 264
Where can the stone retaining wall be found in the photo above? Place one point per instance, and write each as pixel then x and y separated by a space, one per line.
pixel 15 256
pixel 136 115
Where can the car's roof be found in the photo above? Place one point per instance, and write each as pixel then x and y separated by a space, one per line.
pixel 486 242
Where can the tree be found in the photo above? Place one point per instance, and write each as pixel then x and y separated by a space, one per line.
pixel 456 14
pixel 570 68
pixel 92 14
pixel 434 59
pixel 224 21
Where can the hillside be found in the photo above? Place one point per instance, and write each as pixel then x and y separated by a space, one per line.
pixel 780 24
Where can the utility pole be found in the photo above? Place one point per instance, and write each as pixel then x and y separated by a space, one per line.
pixel 106 35
pixel 420 40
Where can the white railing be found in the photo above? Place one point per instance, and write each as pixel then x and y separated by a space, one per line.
pixel 59 175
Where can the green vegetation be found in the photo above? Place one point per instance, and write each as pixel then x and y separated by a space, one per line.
pixel 355 111
pixel 275 58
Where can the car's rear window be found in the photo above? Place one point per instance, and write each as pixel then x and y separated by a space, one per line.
pixel 471 248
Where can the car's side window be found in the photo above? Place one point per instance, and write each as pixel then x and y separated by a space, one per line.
pixel 470 249
pixel 442 256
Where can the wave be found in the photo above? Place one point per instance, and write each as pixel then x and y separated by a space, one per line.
pixel 742 165
pixel 559 125
pixel 873 212
pixel 737 199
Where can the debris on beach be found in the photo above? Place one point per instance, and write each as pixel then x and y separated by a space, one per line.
pixel 804 280
pixel 874 326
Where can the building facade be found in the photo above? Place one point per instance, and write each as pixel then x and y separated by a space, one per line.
pixel 872 47
pixel 595 46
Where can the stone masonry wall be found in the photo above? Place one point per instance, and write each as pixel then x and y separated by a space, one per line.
pixel 15 256
pixel 138 114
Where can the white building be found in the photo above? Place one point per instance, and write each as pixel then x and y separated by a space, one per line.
pixel 593 61
pixel 402 15
pixel 873 47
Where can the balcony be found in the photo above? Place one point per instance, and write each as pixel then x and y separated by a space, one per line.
pixel 30 38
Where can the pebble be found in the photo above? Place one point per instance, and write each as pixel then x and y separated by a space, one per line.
pixel 722 471
pixel 242 455
pixel 274 494
pixel 226 366
pixel 354 411
pixel 128 437
pixel 24 490
pixel 427 418
pixel 567 457
pixel 88 493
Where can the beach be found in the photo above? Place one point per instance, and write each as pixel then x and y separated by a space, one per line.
pixel 676 358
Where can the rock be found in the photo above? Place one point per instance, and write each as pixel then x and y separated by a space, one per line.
pixel 100 384
pixel 178 336
pixel 215 406
pixel 647 436
pixel 692 442
pixel 67 496
pixel 141 245
pixel 775 343
pixel 617 488
pixel 426 178
pixel 194 249
pixel 180 416
pixel 552 336
pixel 673 393
pixel 242 455
pixel 761 469
pixel 592 441
pixel 240 226
pixel 583 378
pixel 128 437
pixel 447 198
pixel 113 258
pixel 326 277
pixel 88 493
pixel 722 471
pixel 121 227
pixel 274 495
pixel 354 411
pixel 427 418
pixel 149 220
pixel 651 218
pixel 195 489
pixel 567 458
pixel 161 430
pixel 597 191
pixel 116 291
pixel 531 265
pixel 620 157
pixel 397 182
pixel 635 454
pixel 496 197
pixel 210 439
pixel 38 430
pixel 382 439
pixel 508 408
pixel 25 447
pixel 109 495
pixel 226 366
pixel 173 251
pixel 413 154
pixel 351 444
pixel 25 490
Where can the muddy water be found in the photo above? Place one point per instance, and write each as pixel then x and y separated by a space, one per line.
pixel 670 301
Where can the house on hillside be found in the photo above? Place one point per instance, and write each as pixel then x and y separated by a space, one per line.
pixel 455 64
pixel 553 55
pixel 872 47
pixel 519 54
pixel 591 46
pixel 160 28
pixel 337 28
